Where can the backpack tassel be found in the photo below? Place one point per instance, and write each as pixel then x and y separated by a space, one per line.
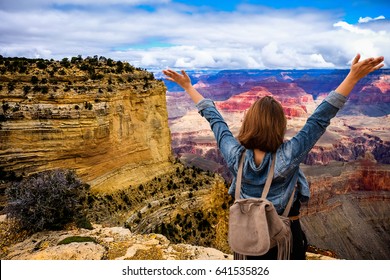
pixel 239 257
pixel 284 247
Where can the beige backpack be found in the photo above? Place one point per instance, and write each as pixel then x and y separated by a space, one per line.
pixel 254 224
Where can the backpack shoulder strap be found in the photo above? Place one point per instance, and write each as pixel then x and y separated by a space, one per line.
pixel 268 185
pixel 239 176
pixel 269 178
pixel 289 204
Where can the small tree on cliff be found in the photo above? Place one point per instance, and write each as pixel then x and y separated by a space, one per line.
pixel 47 200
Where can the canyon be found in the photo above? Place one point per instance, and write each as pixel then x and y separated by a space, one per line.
pixel 361 126
pixel 348 168
pixel 151 159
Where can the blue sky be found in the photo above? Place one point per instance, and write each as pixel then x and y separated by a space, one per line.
pixel 200 34
pixel 347 10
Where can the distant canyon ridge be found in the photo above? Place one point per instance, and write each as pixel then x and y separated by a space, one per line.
pixel 348 169
pixel 360 128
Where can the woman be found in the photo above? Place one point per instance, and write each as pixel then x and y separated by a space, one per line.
pixel 262 134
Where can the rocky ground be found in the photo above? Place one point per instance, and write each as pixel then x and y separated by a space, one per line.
pixel 106 243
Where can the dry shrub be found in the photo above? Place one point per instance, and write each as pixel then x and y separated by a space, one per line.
pixel 47 200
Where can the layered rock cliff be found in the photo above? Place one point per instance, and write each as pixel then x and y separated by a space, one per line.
pixel 348 209
pixel 105 119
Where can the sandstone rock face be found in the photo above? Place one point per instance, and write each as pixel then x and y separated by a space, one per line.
pixel 111 139
pixel 105 119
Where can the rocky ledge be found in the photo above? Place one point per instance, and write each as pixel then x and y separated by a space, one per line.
pixel 106 243
pixel 110 243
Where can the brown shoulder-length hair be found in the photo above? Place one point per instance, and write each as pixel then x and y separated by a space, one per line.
pixel 264 125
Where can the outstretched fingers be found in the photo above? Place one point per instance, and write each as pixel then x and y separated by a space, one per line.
pixel 367 65
pixel 185 74
pixel 170 74
pixel 378 60
pixel 182 79
pixel 373 61
pixel 379 66
pixel 356 59
pixel 169 79
pixel 376 63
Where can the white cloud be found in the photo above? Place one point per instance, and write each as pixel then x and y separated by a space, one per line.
pixel 366 41
pixel 185 37
pixel 280 57
pixel 29 4
pixel 354 29
pixel 368 19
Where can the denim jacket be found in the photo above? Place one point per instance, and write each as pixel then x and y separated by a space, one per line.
pixel 288 156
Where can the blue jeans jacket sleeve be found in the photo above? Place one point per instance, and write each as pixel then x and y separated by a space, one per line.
pixel 230 148
pixel 294 151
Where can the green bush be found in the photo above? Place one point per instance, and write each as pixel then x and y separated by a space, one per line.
pixel 34 80
pixel 78 239
pixel 47 200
